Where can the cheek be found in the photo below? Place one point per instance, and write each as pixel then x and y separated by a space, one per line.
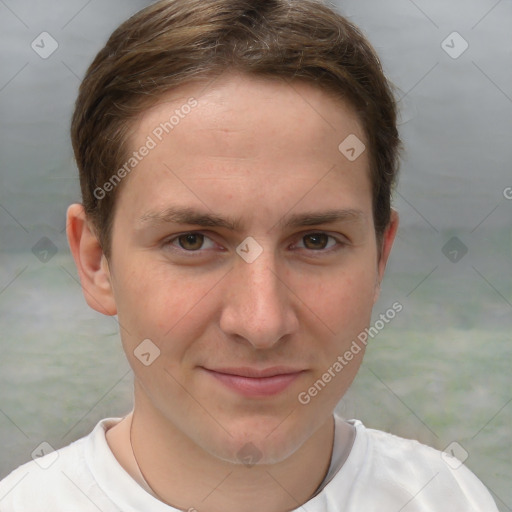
pixel 341 299
pixel 157 303
pixel 343 303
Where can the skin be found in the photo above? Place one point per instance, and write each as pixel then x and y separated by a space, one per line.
pixel 255 150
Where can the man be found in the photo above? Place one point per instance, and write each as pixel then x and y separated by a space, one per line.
pixel 236 162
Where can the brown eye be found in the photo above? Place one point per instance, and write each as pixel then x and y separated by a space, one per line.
pixel 189 244
pixel 318 240
pixel 191 241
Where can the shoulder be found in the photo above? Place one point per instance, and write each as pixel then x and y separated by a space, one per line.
pixel 422 474
pixel 405 474
pixel 54 481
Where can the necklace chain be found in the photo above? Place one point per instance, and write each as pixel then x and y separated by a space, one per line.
pixel 139 470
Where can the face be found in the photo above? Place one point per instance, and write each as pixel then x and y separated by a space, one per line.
pixel 244 248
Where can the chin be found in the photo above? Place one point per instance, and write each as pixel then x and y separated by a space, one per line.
pixel 260 440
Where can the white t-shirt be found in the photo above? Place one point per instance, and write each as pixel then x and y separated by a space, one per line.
pixel 382 472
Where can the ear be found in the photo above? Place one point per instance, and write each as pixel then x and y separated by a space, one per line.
pixel 91 263
pixel 387 243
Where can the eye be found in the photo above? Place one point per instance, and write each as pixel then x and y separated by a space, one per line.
pixel 318 241
pixel 189 242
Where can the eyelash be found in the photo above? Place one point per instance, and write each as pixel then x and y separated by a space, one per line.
pixel 168 243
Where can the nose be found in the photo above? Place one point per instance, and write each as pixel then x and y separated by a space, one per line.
pixel 258 303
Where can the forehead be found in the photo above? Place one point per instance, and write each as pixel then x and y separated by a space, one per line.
pixel 274 109
pixel 237 134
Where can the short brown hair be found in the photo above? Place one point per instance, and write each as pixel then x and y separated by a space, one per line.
pixel 173 42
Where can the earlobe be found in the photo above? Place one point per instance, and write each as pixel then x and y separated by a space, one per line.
pixel 90 261
pixel 387 243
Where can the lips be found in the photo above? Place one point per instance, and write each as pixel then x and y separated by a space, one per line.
pixel 253 382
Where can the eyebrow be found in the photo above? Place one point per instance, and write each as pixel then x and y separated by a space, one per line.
pixel 185 215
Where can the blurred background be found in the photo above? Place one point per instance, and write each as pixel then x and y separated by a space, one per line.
pixel 439 372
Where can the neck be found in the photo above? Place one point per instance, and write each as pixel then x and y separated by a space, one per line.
pixel 181 474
